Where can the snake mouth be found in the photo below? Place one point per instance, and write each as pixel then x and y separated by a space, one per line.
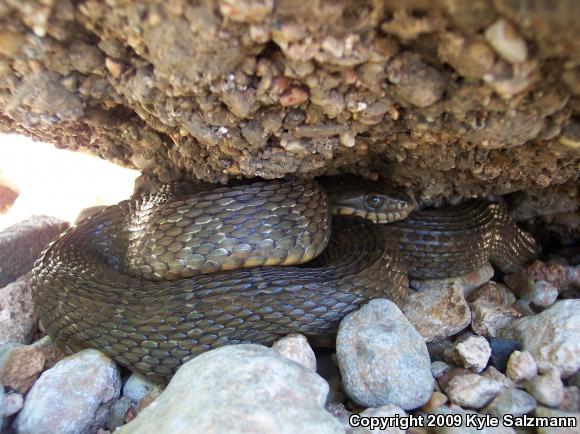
pixel 375 217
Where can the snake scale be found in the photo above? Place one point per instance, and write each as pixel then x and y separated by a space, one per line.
pixel 157 280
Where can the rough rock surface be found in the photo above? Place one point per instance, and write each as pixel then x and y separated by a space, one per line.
pixel 453 98
pixel 472 390
pixel 72 397
pixel 471 353
pixel 17 319
pixel 295 347
pixel 552 337
pixel 382 358
pixel 243 389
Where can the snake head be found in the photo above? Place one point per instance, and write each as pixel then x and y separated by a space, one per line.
pixel 372 200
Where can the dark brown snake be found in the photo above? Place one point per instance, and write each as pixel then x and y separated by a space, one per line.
pixel 127 279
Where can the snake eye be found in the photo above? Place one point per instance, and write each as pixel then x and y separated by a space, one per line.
pixel 374 201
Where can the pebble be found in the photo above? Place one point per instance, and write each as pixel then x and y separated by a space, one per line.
pixel 561 276
pixel 501 349
pixel 382 358
pixel 20 366
pixel 17 319
pixel 118 412
pixel 443 380
pixel 467 283
pixel 437 400
pixel 551 413
pixel 547 388
pixel 472 353
pixel 72 397
pixel 22 243
pixel 473 390
pixel 521 283
pixel 494 374
pixel 545 294
pixel 504 38
pixel 511 401
pixel 13 403
pixel 388 411
pixel 552 337
pixel 295 347
pixel 571 399
pixel 438 368
pixel 437 312
pixel 521 366
pixel 138 387
pixel 492 292
pixel 242 388
pixel 490 319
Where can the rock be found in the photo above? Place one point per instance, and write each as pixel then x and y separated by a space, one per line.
pixel 387 411
pixel 438 368
pixel 511 401
pixel 20 366
pixel 472 390
pixel 137 387
pixel 521 283
pixel 74 396
pixel 552 337
pixel 571 399
pixel 118 412
pixel 494 374
pixel 382 358
pixel 466 428
pixel 490 319
pixel 501 349
pixel 259 391
pixel 52 354
pixel 521 366
pixel 443 380
pixel 13 403
pixel 467 283
pixel 438 312
pixel 22 243
pixel 437 349
pixel 472 353
pixel 339 411
pixel 545 294
pixel 493 293
pixel 17 320
pixel 437 400
pixel 295 347
pixel 562 276
pixel 504 38
pixel 551 413
pixel 547 388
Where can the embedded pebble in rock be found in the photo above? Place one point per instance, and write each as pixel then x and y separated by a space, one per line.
pixel 504 38
pixel 472 353
pixel 490 319
pixel 13 403
pixel 437 400
pixel 545 294
pixel 242 388
pixel 118 412
pixel 492 292
pixel 501 349
pixel 438 368
pixel 389 412
pixel 295 347
pixel 465 427
pixel 495 375
pixel 511 401
pixel 72 397
pixel 551 413
pixel 137 387
pixel 547 388
pixel 552 337
pixel 467 283
pixel 17 320
pixel 473 390
pixel 382 358
pixel 571 399
pixel 437 313
pixel 20 366
pixel 521 366
pixel 22 243
pixel 52 353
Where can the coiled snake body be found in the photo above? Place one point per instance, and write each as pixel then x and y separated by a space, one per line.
pixel 155 281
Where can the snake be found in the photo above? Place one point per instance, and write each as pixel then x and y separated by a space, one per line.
pixel 160 278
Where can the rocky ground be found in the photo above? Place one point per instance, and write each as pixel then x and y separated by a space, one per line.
pixel 472 345
pixel 452 98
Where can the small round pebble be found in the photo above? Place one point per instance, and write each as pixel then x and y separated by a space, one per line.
pixel 511 401
pixel 137 387
pixel 472 353
pixel 382 358
pixel 296 347
pixel 472 390
pixel 547 388
pixel 545 294
pixel 521 366
pixel 490 319
pixel 119 410
pixel 438 368
pixel 20 366
pixel 388 411
pixel 501 349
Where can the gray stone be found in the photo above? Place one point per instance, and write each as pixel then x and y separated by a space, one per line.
pixel 17 319
pixel 13 403
pixel 137 387
pixel 571 399
pixel 382 358
pixel 438 368
pixel 492 373
pixel 511 401
pixel 545 294
pixel 552 337
pixel 74 396
pixel 437 312
pixel 467 283
pixel 119 409
pixel 471 353
pixel 239 389
pixel 472 390
pixel 521 366
pixel 295 347
pixel 547 388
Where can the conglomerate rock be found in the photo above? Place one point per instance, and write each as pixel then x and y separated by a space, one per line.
pixel 452 98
